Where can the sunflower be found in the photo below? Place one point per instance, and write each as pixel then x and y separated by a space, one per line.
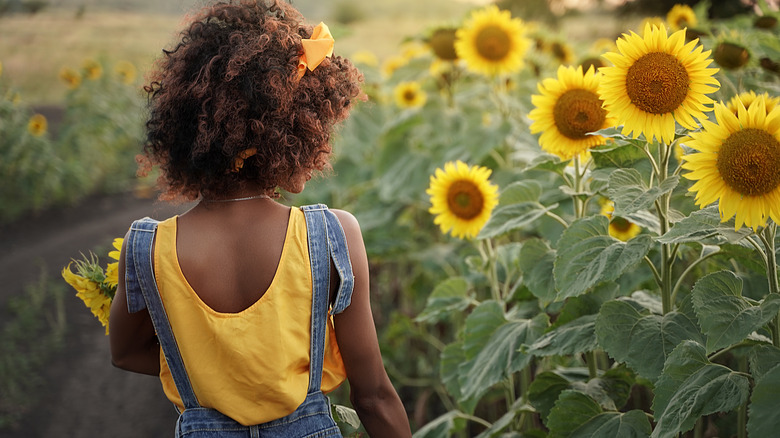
pixel 126 72
pixel 442 43
pixel 92 69
pixel 681 16
pixel 71 77
pixel 392 64
pixel 37 125
pixel 409 95
pixel 620 228
pixel 492 42
pixel 656 80
pixel 561 52
pixel 731 56
pixel 462 198
pixel 736 164
pixel 567 110
pixel 365 57
pixel 747 98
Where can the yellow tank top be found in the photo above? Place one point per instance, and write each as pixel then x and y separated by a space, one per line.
pixel 252 366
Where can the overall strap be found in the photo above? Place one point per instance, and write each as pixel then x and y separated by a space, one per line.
pixel 326 242
pixel 142 292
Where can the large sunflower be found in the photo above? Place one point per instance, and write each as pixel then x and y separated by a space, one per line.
pixel 656 80
pixel 738 164
pixel 567 110
pixel 492 42
pixel 462 198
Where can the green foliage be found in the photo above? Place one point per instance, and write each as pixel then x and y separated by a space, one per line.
pixel 31 332
pixel 93 153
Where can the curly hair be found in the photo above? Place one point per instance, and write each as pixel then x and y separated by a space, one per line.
pixel 231 85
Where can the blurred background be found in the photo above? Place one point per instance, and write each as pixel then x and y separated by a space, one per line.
pixel 71 123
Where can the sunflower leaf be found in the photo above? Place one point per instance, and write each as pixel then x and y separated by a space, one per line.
pixel 762 416
pixel 632 424
pixel 704 226
pixel 724 315
pixel 520 191
pixel 537 261
pixel 572 410
pixel 631 194
pixel 577 336
pixel 443 427
pixel 451 295
pixel 512 217
pixel 642 340
pixel 587 256
pixel 691 386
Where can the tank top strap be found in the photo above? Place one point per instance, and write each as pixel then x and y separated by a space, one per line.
pixel 141 289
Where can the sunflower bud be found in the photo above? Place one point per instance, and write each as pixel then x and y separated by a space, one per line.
pixel 731 56
pixel 442 43
pixel 765 22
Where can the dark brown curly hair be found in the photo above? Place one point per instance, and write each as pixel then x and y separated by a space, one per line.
pixel 231 84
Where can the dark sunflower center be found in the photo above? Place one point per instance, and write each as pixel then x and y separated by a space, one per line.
pixel 731 56
pixel 749 162
pixel 443 44
pixel 493 43
pixel 578 112
pixel 465 200
pixel 558 51
pixel 409 95
pixel 657 83
pixel 619 224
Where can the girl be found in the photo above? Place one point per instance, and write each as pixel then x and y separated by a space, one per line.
pixel 246 309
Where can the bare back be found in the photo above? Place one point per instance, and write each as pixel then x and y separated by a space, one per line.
pixel 229 252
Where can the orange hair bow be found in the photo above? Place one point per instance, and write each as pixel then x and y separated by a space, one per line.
pixel 315 49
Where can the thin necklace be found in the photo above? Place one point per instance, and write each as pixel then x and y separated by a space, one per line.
pixel 237 199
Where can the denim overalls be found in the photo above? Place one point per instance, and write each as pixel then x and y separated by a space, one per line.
pixel 312 418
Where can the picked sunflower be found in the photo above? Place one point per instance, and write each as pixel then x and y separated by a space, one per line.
pixel 737 163
pixel 409 95
pixel 681 16
pixel 657 79
pixel 462 198
pixel 492 42
pixel 568 109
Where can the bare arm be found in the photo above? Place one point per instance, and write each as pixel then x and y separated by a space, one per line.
pixel 133 341
pixel 373 396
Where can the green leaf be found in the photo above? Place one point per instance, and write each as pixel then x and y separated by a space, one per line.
pixel 577 336
pixel 572 410
pixel 536 262
pixel 443 427
pixel 620 156
pixel 512 217
pixel 544 391
pixel 643 341
pixel 547 162
pixel 451 358
pixel 611 390
pixel 480 325
pixel 631 194
pixel 691 386
pixel 518 407
pixel 724 315
pixel 763 420
pixel 449 296
pixel 704 226
pixel 632 424
pixel 762 359
pixel 500 356
pixel 587 256
pixel 344 414
pixel 520 191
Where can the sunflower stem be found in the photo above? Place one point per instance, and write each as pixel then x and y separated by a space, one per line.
pixel 590 359
pixel 768 238
pixel 663 216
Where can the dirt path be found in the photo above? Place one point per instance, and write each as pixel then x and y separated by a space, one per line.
pixel 84 395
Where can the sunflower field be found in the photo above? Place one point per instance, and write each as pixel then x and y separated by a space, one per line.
pixel 574 245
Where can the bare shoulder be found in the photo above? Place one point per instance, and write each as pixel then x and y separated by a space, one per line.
pixel 348 222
